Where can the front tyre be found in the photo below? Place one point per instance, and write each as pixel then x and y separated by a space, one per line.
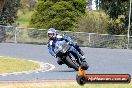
pixel 72 64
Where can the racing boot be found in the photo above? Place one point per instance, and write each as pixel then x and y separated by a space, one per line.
pixel 84 64
pixel 83 58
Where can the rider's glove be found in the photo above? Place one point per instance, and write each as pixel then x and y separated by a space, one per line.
pixel 70 43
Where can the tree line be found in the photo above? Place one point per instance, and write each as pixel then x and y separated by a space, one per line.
pixel 9 8
pixel 8 11
pixel 72 15
pixel 118 11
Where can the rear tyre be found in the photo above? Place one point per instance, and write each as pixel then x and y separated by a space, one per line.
pixel 85 65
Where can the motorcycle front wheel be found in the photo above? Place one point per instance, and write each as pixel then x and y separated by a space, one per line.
pixel 71 63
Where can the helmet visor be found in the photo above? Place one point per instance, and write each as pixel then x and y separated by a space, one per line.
pixel 50 35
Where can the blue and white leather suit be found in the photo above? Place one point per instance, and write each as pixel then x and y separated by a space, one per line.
pixel 52 44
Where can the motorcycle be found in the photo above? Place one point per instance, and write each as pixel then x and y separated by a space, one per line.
pixel 68 57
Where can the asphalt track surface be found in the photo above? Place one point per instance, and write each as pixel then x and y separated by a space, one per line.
pixel 101 61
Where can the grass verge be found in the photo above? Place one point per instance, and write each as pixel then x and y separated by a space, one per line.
pixel 61 84
pixel 9 65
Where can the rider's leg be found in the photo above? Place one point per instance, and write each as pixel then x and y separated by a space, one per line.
pixel 84 63
pixel 77 53
pixel 78 49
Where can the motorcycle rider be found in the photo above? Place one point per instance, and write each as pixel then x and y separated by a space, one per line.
pixel 53 38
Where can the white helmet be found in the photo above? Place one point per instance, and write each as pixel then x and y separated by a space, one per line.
pixel 51 30
pixel 51 33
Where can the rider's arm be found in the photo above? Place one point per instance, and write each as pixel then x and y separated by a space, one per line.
pixel 68 39
pixel 51 50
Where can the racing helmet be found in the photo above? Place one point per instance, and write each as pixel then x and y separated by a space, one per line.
pixel 51 33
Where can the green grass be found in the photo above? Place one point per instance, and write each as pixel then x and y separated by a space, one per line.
pixel 98 86
pixel 85 86
pixel 24 19
pixel 67 85
pixel 9 65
